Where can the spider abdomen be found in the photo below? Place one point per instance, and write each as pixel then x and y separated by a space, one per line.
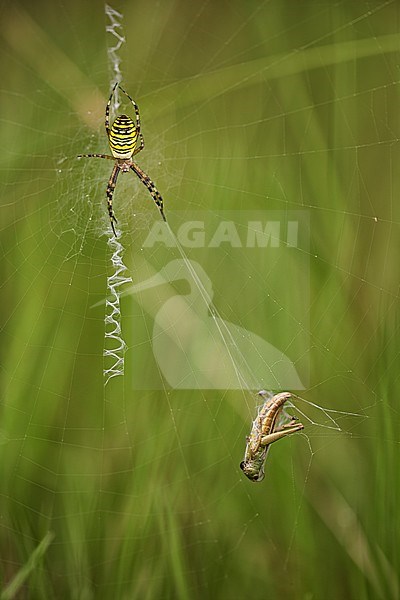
pixel 123 137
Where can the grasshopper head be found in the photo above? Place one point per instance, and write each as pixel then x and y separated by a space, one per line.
pixel 254 473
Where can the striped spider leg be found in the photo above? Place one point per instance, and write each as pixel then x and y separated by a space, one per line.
pixel 269 426
pixel 123 137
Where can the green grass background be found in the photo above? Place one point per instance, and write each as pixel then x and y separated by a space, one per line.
pixel 125 494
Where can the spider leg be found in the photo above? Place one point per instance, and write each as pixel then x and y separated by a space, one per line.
pixel 108 105
pixel 110 192
pixel 155 194
pixel 135 106
pixel 141 146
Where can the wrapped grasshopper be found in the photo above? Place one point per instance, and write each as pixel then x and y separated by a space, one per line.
pixel 271 424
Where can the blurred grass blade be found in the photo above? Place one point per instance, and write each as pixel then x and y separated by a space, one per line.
pixel 14 586
pixel 344 523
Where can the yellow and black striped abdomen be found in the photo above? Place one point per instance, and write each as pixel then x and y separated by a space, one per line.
pixel 123 137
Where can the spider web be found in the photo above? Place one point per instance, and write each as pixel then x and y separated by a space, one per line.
pixel 272 132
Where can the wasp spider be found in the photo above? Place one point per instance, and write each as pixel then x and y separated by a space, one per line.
pixel 123 138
